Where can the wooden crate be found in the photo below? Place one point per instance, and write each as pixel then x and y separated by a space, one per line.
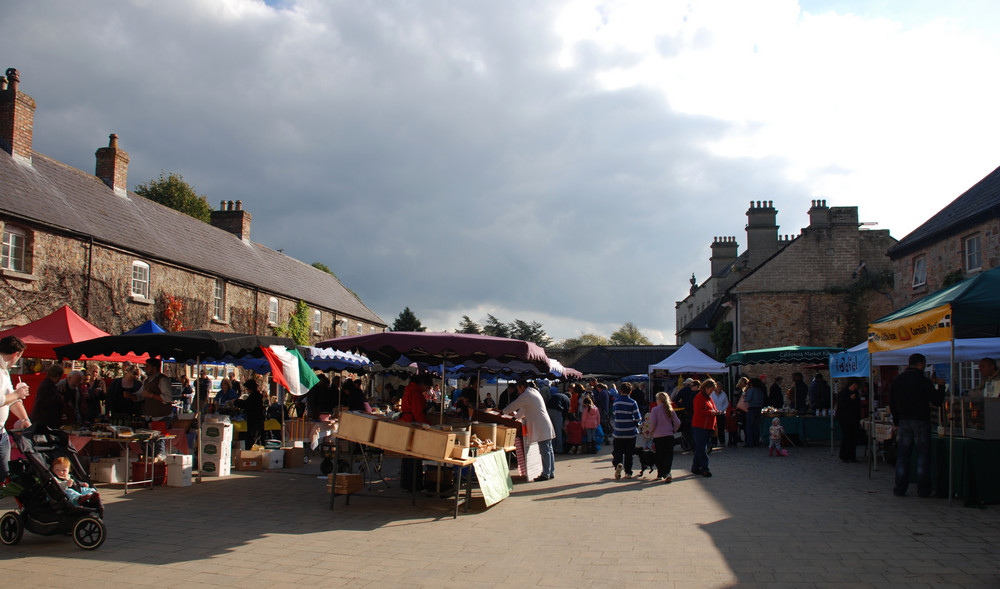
pixel 432 443
pixel 393 435
pixel 346 483
pixel 506 437
pixel 358 427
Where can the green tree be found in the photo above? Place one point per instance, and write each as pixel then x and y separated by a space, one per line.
pixel 407 321
pixel 587 339
pixel 722 337
pixel 629 335
pixel 495 327
pixel 297 327
pixel 467 325
pixel 529 332
pixel 322 266
pixel 170 190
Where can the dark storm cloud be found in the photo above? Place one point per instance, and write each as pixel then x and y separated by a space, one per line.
pixel 432 154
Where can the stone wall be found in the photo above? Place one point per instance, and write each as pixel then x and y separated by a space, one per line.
pixel 59 276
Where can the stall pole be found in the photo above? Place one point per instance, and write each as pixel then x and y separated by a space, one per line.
pixel 951 423
pixel 833 391
pixel 872 462
pixel 199 419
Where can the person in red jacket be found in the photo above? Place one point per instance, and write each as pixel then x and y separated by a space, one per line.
pixel 702 426
pixel 413 408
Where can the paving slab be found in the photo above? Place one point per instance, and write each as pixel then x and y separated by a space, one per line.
pixel 796 521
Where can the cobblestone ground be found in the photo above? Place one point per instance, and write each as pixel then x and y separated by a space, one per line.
pixel 807 520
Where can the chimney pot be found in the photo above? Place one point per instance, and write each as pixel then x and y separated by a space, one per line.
pixel 13 78
pixel 239 205
pixel 229 205
pixel 113 141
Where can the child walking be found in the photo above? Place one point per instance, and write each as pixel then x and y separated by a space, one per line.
pixel 776 431
pixel 590 419
pixel 574 434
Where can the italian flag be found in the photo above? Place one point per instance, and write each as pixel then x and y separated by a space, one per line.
pixel 290 370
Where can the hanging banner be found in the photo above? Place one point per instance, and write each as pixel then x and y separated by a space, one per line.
pixel 923 328
pixel 849 363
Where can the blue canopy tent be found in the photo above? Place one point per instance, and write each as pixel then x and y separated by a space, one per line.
pixel 147 327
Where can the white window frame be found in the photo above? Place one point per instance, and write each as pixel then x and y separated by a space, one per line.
pixel 920 271
pixel 14 256
pixel 344 327
pixel 974 254
pixel 272 312
pixel 361 328
pixel 140 280
pixel 219 300
pixel 317 321
pixel 371 329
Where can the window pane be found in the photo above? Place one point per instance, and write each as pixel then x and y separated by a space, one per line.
pixel 12 257
pixel 272 310
pixel 920 271
pixel 973 254
pixel 218 311
pixel 140 279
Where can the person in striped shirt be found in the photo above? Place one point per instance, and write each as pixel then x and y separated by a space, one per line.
pixel 625 420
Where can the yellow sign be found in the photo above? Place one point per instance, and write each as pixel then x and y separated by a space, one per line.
pixel 922 328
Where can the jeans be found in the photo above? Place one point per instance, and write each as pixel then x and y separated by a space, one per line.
pixel 622 451
pixel 753 427
pixel 701 437
pixel 557 424
pixel 913 432
pixel 548 458
pixel 4 454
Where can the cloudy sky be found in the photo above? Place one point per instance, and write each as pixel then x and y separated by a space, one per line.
pixel 561 162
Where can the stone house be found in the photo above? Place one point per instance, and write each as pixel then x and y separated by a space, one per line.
pixel 959 241
pixel 119 259
pixel 819 288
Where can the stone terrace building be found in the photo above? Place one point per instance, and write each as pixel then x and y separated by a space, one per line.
pixel 959 241
pixel 119 259
pixel 820 288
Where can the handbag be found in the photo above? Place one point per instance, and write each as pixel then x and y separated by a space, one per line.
pixel 742 405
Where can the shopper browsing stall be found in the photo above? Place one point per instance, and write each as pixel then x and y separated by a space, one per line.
pixel 530 406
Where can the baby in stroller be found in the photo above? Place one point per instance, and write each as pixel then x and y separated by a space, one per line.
pixel 78 494
pixel 44 507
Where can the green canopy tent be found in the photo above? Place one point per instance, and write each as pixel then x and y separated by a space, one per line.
pixel 967 309
pixel 786 354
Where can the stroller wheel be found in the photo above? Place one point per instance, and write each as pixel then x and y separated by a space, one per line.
pixel 89 533
pixel 11 528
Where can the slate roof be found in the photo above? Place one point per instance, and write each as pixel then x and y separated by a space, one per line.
pixel 53 194
pixel 706 319
pixel 975 205
pixel 612 360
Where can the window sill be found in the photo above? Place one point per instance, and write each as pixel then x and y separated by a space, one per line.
pixel 272 324
pixel 217 321
pixel 15 275
pixel 140 300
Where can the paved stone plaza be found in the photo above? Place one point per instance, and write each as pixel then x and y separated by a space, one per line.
pixel 807 520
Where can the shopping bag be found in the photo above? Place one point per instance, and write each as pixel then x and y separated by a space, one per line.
pixel 742 405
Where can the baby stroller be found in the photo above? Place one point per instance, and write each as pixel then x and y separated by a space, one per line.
pixel 43 507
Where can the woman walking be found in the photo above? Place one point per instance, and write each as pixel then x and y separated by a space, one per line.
pixel 664 423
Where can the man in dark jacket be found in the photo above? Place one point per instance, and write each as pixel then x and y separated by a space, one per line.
pixel 558 406
pixel 49 403
pixel 911 397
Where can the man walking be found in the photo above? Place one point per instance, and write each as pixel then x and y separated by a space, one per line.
pixel 625 421
pixel 912 395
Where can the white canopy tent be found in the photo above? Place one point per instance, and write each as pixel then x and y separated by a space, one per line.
pixel 689 359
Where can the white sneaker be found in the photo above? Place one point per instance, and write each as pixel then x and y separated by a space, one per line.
pixel 618 471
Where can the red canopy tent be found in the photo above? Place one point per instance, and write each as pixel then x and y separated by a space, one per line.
pixel 61 327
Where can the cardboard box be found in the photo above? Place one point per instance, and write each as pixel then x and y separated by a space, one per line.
pixel 215 467
pixel 179 475
pixel 274 459
pixel 179 459
pixel 250 460
pixel 218 432
pixel 111 470
pixel 393 435
pixel 215 451
pixel 432 443
pixel 357 427
pixel 294 457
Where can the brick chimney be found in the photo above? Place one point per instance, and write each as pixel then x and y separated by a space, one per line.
pixel 232 218
pixel 819 214
pixel 17 116
pixel 762 232
pixel 724 253
pixel 112 166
